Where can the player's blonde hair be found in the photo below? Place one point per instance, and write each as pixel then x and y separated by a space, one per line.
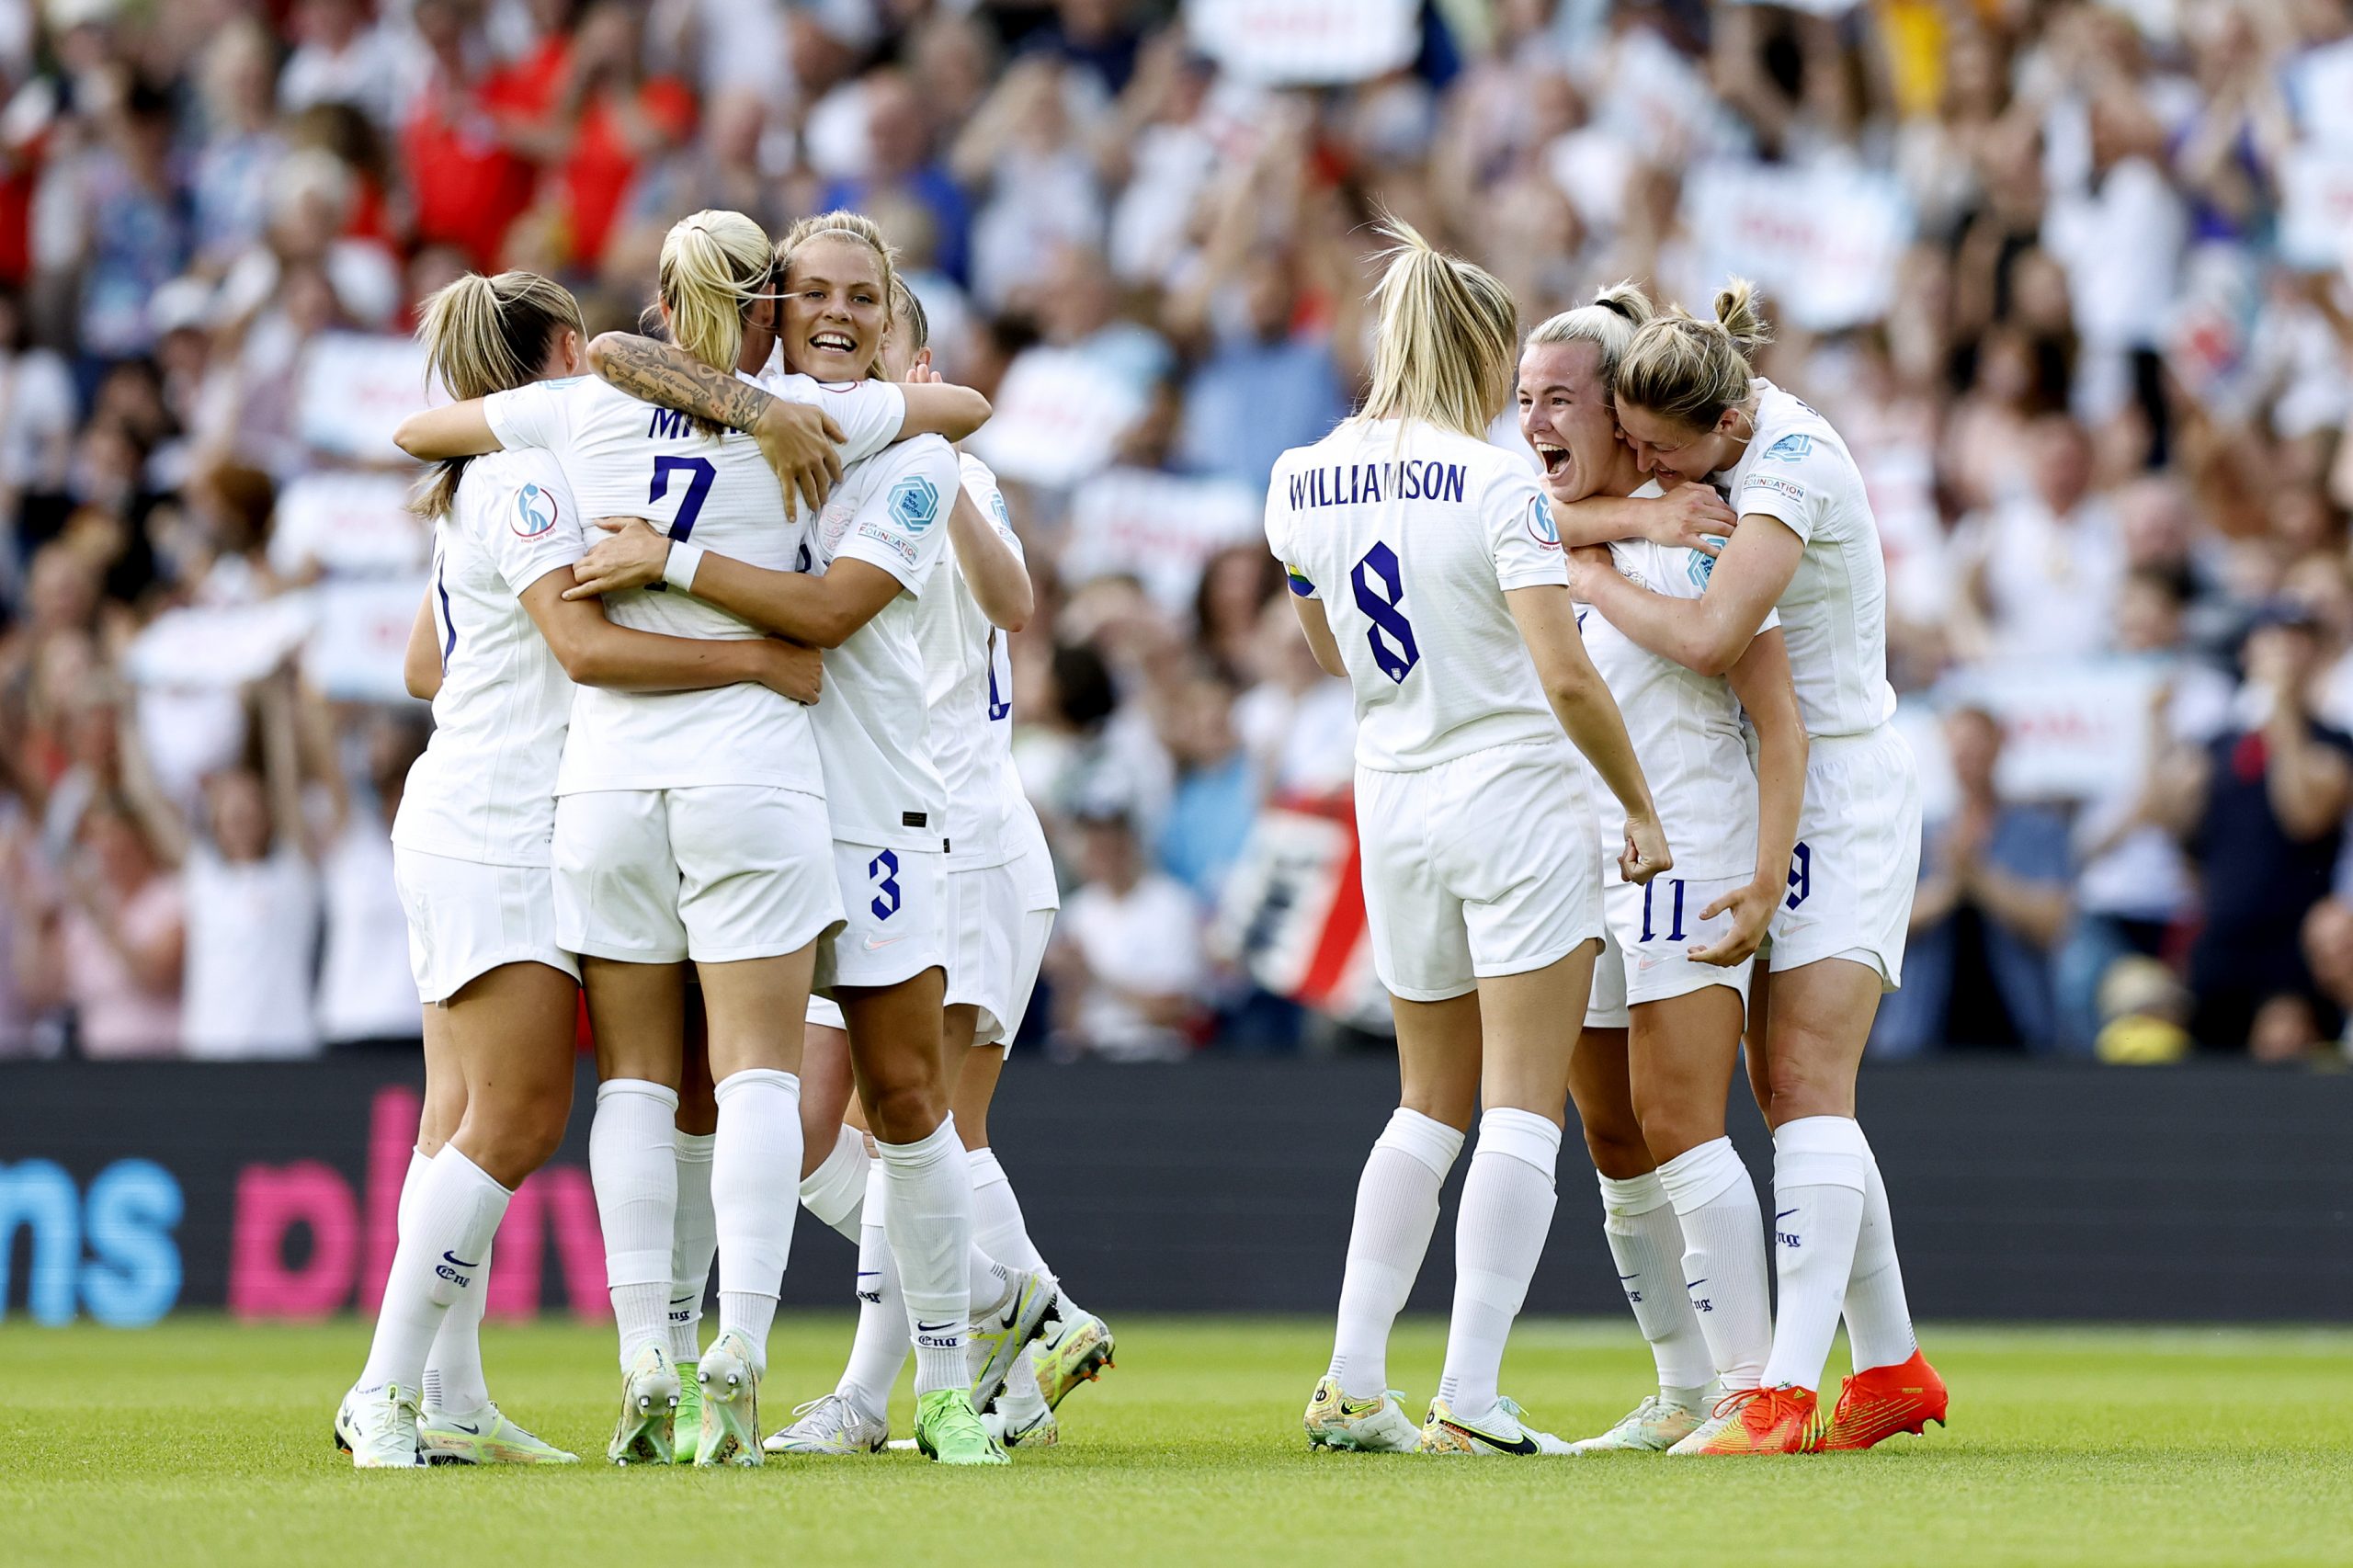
pixel 483 335
pixel 1444 347
pixel 714 265
pixel 905 302
pixel 1609 323
pixel 857 229
pixel 1688 370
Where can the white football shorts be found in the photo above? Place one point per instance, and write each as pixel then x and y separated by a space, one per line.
pixel 714 872
pixel 1857 859
pixel 895 913
pixel 1484 866
pixel 1644 959
pixel 466 919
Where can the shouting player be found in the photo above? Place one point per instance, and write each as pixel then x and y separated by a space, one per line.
pixel 1806 544
pixel 1654 1063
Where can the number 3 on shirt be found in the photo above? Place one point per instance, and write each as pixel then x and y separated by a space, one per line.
pixel 1381 593
pixel 884 869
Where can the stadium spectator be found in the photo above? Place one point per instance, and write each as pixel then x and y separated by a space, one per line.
pixel 1127 962
pixel 2262 808
pixel 1992 906
pixel 252 897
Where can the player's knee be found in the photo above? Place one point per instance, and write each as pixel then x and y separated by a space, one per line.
pixel 905 1112
pixel 1802 1084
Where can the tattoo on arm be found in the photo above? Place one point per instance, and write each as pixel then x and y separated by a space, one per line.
pixel 659 373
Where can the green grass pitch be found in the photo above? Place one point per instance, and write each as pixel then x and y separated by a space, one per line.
pixel 201 1442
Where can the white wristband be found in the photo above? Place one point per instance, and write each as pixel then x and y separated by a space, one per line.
pixel 678 570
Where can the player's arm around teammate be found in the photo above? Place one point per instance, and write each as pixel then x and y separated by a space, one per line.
pixel 492 645
pixel 1691 407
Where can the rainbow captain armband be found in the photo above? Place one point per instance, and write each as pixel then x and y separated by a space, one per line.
pixel 1298 580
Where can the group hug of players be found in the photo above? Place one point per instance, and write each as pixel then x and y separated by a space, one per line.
pixel 732 757
pixel 1671 642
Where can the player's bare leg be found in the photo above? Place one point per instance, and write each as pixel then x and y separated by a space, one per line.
pixel 1645 1244
pixel 638 1013
pixel 1507 1199
pixel 1823 1017
pixel 896 1055
pixel 1437 1064
pixel 501 1065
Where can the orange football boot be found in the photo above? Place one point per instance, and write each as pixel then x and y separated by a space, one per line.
pixel 1765 1421
pixel 1878 1403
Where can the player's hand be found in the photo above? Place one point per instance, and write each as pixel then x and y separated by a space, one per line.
pixel 1694 517
pixel 630 557
pixel 1584 561
pixel 1646 854
pixel 803 445
pixel 791 670
pixel 1752 915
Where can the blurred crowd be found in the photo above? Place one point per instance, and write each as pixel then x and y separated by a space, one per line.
pixel 2075 278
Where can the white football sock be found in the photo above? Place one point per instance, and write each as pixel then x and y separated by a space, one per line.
pixel 453 1375
pixel 1396 1211
pixel 879 1346
pixel 1879 1320
pixel 418 1161
pixel 694 1242
pixel 455 1360
pixel 928 1222
pixel 1821 1165
pixel 633 1163
pixel 755 1164
pixel 1506 1212
pixel 1647 1246
pixel 836 1190
pixel 1723 1257
pixel 998 1224
pixel 990 1284
pixel 438 1263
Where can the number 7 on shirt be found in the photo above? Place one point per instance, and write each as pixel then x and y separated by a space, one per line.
pixel 700 472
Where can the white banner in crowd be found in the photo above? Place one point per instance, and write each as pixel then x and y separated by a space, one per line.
pixel 2072 732
pixel 1163 528
pixel 357 388
pixel 351 634
pixel 2316 208
pixel 1059 413
pixel 1822 241
pixel 208 647
pixel 362 638
pixel 347 521
pixel 1297 42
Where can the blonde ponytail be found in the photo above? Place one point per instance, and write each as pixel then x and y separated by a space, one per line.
pixel 714 265
pixel 858 230
pixel 483 335
pixel 1689 371
pixel 1443 349
pixel 1609 323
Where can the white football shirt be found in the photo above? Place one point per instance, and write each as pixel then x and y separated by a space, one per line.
pixel 1411 536
pixel 872 725
pixel 968 679
pixel 1686 727
pixel 1834 613
pixel 484 789
pixel 630 459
